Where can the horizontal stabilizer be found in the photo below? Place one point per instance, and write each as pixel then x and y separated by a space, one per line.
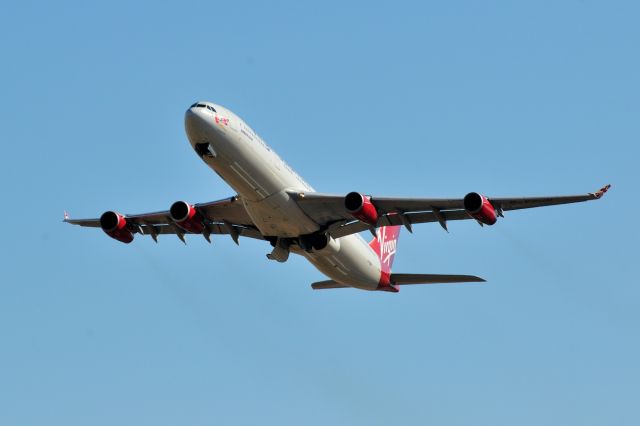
pixel 404 279
pixel 321 285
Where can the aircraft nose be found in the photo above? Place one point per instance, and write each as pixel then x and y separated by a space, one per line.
pixel 195 114
pixel 195 121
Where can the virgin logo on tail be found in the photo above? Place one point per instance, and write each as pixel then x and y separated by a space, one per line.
pixel 387 247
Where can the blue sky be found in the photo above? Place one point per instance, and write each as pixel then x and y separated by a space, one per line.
pixel 390 98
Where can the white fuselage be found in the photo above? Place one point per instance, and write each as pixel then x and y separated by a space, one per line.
pixel 263 182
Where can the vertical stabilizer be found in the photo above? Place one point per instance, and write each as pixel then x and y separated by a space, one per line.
pixel 385 245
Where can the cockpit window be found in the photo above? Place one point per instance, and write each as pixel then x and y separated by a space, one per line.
pixel 197 105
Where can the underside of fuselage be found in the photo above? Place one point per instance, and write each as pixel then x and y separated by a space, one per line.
pixel 264 183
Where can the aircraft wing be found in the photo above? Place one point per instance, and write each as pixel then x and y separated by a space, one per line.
pixel 331 211
pixel 226 216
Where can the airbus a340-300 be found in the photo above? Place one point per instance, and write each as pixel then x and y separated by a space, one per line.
pixel 273 203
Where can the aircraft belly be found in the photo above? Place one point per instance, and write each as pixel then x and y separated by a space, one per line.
pixel 279 215
pixel 356 265
pixel 241 165
pixel 260 177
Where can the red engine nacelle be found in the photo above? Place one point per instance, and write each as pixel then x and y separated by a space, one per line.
pixel 479 207
pixel 361 207
pixel 186 217
pixel 115 226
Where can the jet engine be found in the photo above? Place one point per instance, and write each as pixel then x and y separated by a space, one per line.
pixel 115 226
pixel 186 217
pixel 361 208
pixel 480 208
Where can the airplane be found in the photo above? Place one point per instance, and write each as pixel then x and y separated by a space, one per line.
pixel 273 203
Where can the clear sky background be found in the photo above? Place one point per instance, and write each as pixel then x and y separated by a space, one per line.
pixel 390 98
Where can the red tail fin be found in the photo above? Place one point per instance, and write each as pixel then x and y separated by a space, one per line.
pixel 385 245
